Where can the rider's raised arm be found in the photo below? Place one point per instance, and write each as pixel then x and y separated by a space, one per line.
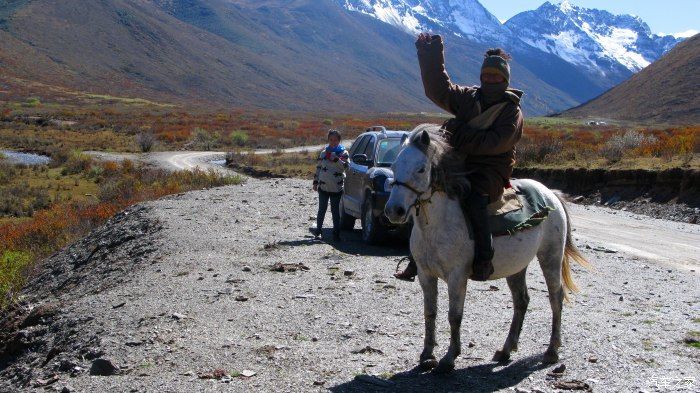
pixel 436 81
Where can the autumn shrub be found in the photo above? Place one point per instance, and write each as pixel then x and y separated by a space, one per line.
pixel 145 140
pixel 32 102
pixel 239 138
pixel 77 163
pixel 531 152
pixel 203 139
pixel 620 144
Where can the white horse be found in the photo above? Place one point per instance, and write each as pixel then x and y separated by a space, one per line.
pixel 442 248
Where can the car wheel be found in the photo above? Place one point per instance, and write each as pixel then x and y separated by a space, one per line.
pixel 372 230
pixel 347 222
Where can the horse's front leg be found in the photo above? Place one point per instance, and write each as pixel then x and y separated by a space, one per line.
pixel 457 288
pixel 429 286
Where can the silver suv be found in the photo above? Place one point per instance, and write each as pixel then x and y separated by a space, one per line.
pixel 367 185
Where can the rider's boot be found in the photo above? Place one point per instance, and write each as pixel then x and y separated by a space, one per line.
pixel 477 214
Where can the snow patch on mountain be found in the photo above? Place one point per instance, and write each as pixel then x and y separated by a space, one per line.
pixel 596 39
pixel 397 13
pixel 463 18
pixel 684 34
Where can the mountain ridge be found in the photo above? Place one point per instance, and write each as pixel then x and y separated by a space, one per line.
pixel 665 91
pixel 329 55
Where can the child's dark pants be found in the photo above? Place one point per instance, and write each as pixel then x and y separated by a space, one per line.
pixel 323 198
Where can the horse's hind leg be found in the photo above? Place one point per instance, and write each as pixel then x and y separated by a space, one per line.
pixel 518 288
pixel 457 289
pixel 430 298
pixel 551 263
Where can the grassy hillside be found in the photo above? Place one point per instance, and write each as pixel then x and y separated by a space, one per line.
pixel 292 55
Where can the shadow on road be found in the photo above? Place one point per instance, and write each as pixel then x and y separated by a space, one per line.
pixel 481 378
pixel 352 244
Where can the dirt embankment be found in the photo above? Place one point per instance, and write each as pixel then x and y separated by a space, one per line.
pixel 670 194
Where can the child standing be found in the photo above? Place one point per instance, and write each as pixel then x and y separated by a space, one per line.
pixel 329 180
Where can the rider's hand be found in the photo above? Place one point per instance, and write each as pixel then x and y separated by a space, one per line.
pixel 425 39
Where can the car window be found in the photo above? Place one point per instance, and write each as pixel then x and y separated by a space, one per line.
pixel 361 145
pixel 355 145
pixel 387 151
pixel 369 150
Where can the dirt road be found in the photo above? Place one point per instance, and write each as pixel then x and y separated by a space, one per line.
pixel 179 295
pixel 666 242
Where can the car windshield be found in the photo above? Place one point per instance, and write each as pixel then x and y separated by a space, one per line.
pixel 387 151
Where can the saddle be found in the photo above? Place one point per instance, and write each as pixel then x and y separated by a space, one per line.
pixel 509 202
pixel 521 207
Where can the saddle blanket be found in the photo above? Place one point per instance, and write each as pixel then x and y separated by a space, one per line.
pixel 521 207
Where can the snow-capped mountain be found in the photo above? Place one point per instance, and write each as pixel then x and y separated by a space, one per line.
pixel 463 18
pixel 591 38
pixel 602 45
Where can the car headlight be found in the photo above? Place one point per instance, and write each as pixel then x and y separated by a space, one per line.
pixel 388 184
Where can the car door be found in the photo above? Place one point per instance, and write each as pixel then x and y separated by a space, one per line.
pixel 364 177
pixel 352 198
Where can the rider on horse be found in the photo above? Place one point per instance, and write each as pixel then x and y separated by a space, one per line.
pixel 488 123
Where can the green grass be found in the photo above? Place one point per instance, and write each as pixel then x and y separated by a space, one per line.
pixel 127 100
pixel 692 339
pixel 301 164
pixel 23 187
pixel 12 269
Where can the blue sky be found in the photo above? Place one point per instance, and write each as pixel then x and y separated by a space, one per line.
pixel 666 16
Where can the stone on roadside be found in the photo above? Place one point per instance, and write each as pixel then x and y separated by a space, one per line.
pixel 246 268
pixel 177 316
pixel 103 367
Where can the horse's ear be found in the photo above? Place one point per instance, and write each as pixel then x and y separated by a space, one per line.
pixel 425 138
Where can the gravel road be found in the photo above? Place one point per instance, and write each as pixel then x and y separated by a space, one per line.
pixel 173 290
pixel 179 160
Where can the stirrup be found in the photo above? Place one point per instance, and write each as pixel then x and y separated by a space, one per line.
pixel 401 275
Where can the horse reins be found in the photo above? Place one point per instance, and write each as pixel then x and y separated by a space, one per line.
pixel 418 203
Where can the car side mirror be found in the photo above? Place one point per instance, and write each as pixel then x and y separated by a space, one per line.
pixel 361 159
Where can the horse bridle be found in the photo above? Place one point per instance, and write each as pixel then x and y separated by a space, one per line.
pixel 418 203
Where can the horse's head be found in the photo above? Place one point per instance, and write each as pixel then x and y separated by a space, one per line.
pixel 412 176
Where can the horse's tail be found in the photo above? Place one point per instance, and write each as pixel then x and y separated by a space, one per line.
pixel 570 252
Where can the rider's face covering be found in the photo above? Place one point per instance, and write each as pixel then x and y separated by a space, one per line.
pixel 493 92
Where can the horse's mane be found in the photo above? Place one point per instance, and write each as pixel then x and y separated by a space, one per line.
pixel 447 167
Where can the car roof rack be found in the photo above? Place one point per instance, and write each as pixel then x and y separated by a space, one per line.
pixel 377 128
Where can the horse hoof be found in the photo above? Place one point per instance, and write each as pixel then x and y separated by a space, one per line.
pixel 501 356
pixel 443 368
pixel 428 364
pixel 550 358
